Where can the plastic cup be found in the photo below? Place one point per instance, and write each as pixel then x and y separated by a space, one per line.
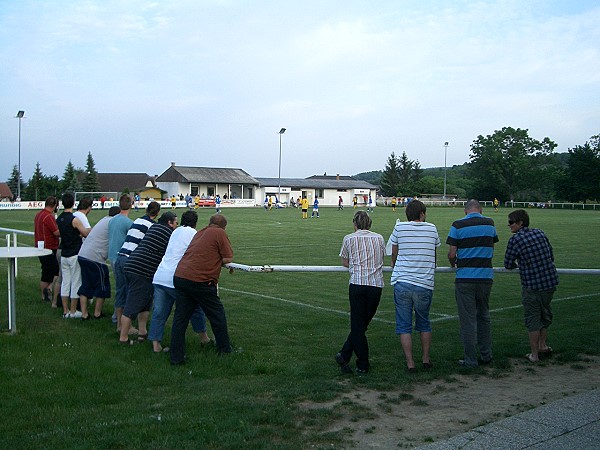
pixel 40 245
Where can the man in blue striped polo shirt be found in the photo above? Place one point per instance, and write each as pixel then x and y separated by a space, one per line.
pixel 471 249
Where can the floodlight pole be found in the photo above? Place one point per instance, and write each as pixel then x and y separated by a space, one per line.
pixel 19 116
pixel 445 167
pixel 279 174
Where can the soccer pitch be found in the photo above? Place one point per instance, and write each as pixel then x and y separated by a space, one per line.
pixel 69 384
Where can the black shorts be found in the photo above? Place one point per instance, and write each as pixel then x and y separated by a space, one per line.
pixel 50 268
pixel 140 293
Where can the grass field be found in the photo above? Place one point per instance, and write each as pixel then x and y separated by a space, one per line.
pixel 69 384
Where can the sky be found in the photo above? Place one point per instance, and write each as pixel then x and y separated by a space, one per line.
pixel 210 83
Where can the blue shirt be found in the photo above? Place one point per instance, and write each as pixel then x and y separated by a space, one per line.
pixel 474 237
pixel 117 231
pixel 532 250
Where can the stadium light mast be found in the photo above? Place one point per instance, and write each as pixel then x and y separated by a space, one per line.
pixel 279 175
pixel 19 116
pixel 445 167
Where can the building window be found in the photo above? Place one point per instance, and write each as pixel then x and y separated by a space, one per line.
pixel 320 193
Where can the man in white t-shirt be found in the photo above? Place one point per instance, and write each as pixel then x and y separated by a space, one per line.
pixel 414 246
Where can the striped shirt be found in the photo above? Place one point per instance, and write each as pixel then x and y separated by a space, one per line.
pixel 364 251
pixel 144 260
pixel 136 233
pixel 474 236
pixel 416 243
pixel 532 249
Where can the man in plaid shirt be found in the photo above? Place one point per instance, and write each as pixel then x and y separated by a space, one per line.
pixel 529 249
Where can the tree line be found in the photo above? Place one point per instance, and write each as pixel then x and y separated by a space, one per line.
pixel 40 186
pixel 508 165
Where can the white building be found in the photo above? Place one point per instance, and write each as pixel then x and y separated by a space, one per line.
pixel 237 187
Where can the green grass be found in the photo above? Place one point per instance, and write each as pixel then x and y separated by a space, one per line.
pixel 68 384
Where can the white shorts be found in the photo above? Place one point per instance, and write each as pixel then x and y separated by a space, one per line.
pixel 71 277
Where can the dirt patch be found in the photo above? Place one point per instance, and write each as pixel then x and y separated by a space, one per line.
pixel 438 410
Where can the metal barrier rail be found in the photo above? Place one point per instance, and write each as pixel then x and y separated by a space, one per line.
pixel 275 268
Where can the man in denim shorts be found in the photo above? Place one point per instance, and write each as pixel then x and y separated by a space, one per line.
pixel 413 260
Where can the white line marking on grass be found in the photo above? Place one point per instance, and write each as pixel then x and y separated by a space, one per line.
pixel 439 319
pixel 556 300
pixel 293 302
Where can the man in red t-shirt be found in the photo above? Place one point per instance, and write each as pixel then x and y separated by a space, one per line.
pixel 46 230
pixel 195 281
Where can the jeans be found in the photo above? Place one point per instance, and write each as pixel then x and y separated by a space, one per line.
pixel 472 300
pixel 364 301
pixel 409 297
pixel 120 282
pixel 189 295
pixel 164 298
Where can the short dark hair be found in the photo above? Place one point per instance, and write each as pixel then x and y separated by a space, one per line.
pixel 125 202
pixel 84 203
pixel 51 201
pixel 189 219
pixel 362 221
pixel 68 200
pixel 167 217
pixel 519 215
pixel 414 209
pixel 113 211
pixel 153 209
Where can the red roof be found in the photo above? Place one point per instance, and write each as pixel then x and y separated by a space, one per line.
pixel 5 191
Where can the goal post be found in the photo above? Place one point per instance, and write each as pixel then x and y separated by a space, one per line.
pixel 96 195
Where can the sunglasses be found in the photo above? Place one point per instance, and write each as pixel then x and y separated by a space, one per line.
pixel 511 222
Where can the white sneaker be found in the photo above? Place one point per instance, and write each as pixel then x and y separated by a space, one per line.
pixel 75 315
pixel 66 315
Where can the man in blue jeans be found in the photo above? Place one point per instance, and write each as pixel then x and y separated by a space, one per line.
pixel 471 249
pixel 414 246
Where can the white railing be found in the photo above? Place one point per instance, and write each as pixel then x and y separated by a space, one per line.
pixel 275 268
pixel 15 242
pixel 490 204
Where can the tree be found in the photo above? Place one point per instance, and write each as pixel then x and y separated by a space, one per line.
pixel 69 181
pixel 407 175
pixel 508 163
pixel 90 181
pixel 390 178
pixel 580 181
pixel 35 185
pixel 14 180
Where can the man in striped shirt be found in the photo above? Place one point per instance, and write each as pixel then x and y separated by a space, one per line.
pixel 362 252
pixel 139 270
pixel 414 246
pixel 136 232
pixel 471 249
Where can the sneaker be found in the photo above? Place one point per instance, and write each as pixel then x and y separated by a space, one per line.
pixel 66 315
pixel 75 315
pixel 344 366
pixel 462 363
pixel 362 371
